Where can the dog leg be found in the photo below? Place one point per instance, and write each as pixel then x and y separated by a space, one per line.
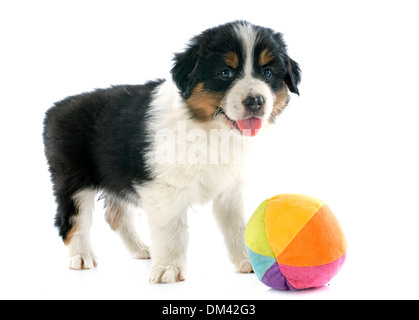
pixel 168 251
pixel 78 239
pixel 228 209
pixel 121 216
pixel 167 218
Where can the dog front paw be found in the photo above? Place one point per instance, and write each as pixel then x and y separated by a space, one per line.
pixel 166 274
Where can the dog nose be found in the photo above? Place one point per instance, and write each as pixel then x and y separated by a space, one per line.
pixel 253 103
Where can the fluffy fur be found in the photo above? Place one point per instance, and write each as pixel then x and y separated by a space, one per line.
pixel 157 146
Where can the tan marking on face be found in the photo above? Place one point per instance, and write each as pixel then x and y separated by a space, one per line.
pixel 281 101
pixel 203 104
pixel 265 57
pixel 231 59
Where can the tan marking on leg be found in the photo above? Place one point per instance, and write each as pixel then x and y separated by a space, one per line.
pixel 114 212
pixel 70 235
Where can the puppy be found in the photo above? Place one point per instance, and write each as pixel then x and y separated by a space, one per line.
pixel 157 146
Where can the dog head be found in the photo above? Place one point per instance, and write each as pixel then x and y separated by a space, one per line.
pixel 238 74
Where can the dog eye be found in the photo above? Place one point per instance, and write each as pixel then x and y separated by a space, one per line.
pixel 226 74
pixel 267 73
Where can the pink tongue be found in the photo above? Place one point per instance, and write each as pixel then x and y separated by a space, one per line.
pixel 250 126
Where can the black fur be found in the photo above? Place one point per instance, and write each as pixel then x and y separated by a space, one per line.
pixel 96 140
pixel 202 61
pixel 293 76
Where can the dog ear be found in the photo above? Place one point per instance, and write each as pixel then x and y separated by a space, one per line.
pixel 185 64
pixel 293 76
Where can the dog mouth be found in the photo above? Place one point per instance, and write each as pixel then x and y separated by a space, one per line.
pixel 248 127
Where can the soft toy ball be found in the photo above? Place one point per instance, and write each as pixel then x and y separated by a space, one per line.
pixel 295 242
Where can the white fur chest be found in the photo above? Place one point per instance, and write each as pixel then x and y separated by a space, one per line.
pixel 196 164
pixel 201 159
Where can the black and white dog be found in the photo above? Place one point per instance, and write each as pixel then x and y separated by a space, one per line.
pixel 157 146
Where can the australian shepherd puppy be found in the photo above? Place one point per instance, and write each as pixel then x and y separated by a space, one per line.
pixel 161 146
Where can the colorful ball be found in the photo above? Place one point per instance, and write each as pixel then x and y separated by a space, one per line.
pixel 295 242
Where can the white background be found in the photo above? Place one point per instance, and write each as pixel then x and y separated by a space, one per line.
pixel 350 139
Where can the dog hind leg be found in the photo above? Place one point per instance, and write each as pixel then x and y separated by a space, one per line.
pixel 77 239
pixel 121 216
